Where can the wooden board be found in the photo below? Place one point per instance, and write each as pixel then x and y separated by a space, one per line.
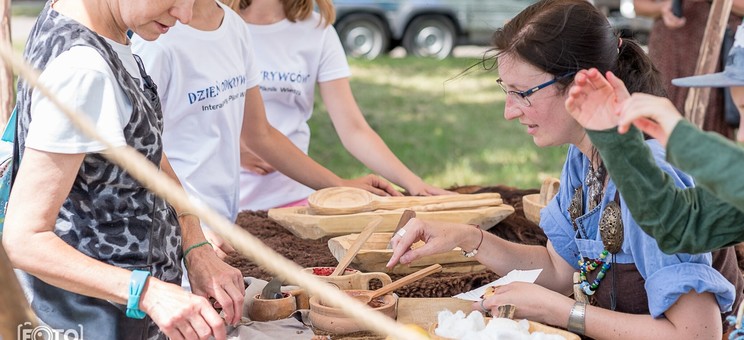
pixel 424 311
pixel 304 225
pixel 374 254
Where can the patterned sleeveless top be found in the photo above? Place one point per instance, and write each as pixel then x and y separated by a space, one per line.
pixel 108 215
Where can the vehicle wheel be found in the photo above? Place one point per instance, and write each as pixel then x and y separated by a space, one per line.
pixel 363 36
pixel 430 36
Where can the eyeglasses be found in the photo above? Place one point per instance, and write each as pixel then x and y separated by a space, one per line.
pixel 521 96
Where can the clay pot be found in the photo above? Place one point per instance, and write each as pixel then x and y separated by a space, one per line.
pixel 333 320
pixel 272 309
pixel 351 278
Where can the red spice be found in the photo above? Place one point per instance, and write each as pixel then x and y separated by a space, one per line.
pixel 323 271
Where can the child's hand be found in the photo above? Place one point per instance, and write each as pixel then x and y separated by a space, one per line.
pixel 656 116
pixel 594 101
pixel 251 162
pixel 373 184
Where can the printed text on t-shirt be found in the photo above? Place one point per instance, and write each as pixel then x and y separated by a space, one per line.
pixel 215 90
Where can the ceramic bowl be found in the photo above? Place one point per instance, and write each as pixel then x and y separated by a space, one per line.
pixel 333 320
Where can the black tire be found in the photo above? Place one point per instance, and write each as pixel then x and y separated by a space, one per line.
pixel 431 36
pixel 363 36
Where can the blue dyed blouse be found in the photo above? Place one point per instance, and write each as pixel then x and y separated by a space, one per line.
pixel 666 277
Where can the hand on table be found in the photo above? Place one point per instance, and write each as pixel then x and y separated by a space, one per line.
pixel 180 314
pixel 423 189
pixel 372 183
pixel 438 237
pixel 211 277
pixel 532 301
pixel 595 101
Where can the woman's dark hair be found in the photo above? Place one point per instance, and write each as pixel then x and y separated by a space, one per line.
pixel 562 36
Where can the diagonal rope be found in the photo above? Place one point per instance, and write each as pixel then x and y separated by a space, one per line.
pixel 150 177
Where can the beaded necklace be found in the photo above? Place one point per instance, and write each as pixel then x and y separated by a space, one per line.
pixel 610 228
pixel 589 266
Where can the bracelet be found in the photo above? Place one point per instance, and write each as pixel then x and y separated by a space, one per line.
pixel 184 213
pixel 186 252
pixel 577 317
pixel 136 284
pixel 474 251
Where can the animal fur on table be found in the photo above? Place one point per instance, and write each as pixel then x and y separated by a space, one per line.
pixel 315 253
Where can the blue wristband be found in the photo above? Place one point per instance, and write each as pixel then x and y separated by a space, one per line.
pixel 136 284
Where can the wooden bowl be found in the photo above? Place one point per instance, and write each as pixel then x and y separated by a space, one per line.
pixel 272 309
pixel 531 205
pixel 334 320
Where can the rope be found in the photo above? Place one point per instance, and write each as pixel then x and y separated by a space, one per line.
pixel 150 177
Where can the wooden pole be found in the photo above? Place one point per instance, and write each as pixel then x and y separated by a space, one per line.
pixel 710 51
pixel 6 74
pixel 15 313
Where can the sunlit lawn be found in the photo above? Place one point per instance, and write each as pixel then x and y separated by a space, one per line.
pixel 448 129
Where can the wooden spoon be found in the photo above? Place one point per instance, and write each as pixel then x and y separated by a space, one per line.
pixel 346 200
pixel 356 246
pixel 367 296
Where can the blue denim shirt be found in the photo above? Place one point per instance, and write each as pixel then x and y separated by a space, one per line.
pixel 667 277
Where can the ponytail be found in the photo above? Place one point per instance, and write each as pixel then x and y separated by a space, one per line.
pixel 637 70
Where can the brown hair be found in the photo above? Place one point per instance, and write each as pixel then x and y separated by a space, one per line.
pixel 562 36
pixel 300 9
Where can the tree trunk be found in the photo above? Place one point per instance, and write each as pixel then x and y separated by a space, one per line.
pixel 15 313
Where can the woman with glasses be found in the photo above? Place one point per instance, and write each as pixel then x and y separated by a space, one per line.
pixel 625 286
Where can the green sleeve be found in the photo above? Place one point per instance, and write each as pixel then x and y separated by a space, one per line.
pixel 689 220
pixel 716 163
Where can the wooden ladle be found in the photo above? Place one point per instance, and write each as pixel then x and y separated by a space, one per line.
pixel 367 296
pixel 347 200
pixel 358 243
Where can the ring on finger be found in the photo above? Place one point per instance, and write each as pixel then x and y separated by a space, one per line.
pixel 401 232
pixel 485 310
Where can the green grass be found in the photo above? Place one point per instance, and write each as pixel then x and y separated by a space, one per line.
pixel 449 130
pixel 26 8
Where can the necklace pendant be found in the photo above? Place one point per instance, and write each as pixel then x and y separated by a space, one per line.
pixel 611 228
pixel 575 208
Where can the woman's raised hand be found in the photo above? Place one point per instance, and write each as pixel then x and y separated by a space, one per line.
pixel 656 116
pixel 595 101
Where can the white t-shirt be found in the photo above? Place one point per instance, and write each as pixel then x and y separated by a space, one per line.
pixel 82 80
pixel 292 58
pixel 202 77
